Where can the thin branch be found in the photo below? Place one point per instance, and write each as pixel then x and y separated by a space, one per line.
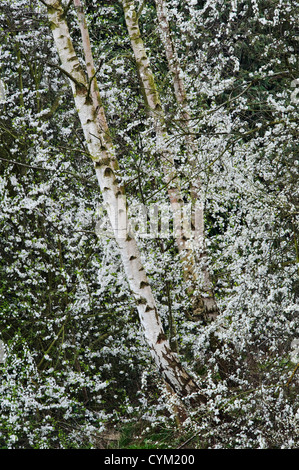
pixel 66 8
pixel 32 167
pixel 94 76
pixel 293 374
pixel 140 9
pixel 74 150
pixel 24 164
pixel 65 72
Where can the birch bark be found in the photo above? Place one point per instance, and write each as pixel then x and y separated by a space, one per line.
pixel 153 104
pixel 204 306
pixel 93 121
pixel 208 299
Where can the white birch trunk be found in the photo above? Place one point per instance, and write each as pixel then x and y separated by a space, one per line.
pixel 95 128
pixel 153 103
pixel 204 305
pixel 209 301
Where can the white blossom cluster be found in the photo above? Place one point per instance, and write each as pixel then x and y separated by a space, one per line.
pixel 76 361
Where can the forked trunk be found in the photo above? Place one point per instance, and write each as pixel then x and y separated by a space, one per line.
pixel 93 121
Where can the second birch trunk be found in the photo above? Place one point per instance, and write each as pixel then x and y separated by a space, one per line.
pixel 204 304
pixel 96 132
pixel 208 301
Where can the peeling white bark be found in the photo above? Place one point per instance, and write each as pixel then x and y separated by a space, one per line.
pixel 100 147
pixel 205 305
pixel 153 103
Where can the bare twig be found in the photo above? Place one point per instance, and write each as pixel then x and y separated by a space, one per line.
pixel 65 72
pixel 292 375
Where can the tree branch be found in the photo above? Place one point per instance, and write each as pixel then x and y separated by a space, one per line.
pixel 66 8
pixel 140 9
pixel 55 66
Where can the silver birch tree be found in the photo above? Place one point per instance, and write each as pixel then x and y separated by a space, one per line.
pixel 204 304
pixel 94 125
pixel 155 111
pixel 208 299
